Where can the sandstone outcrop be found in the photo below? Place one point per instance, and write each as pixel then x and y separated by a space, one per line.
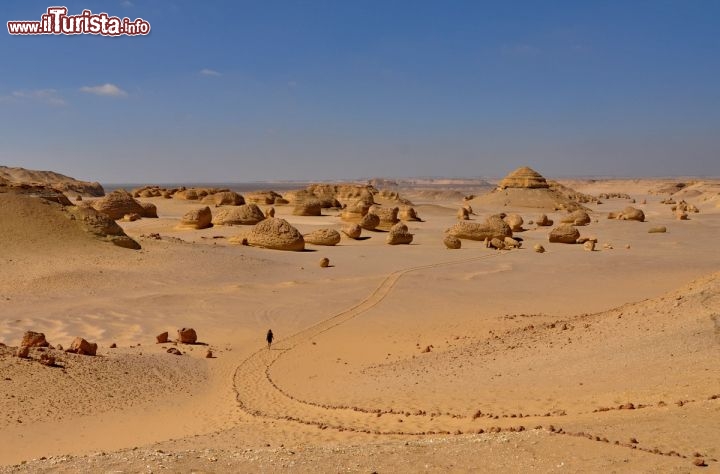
pixel 82 347
pixel 308 207
pixel 198 218
pixel 245 214
pixel 493 227
pixel 277 234
pixel 564 234
pixel 452 242
pixel 399 235
pixel 323 237
pixel 224 198
pixel 186 336
pixel 118 203
pixel 352 230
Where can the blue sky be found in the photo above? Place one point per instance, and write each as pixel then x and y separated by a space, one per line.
pixel 243 91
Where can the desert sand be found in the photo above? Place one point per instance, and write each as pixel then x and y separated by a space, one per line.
pixel 393 358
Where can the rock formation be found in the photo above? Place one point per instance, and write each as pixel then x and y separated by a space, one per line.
pixel 352 230
pixel 50 179
pixel 515 221
pixel 452 242
pixel 628 214
pixel 408 214
pixel 323 237
pixel 356 211
pixel 224 198
pixel 246 214
pixel 198 218
pixel 494 227
pixel 388 215
pixel 399 234
pixel 564 234
pixel 82 347
pixel 463 214
pixel 370 221
pixel 275 233
pixel 186 336
pixel 577 217
pixel 149 210
pixel 263 197
pixel 308 207
pixel 523 177
pixel 34 339
pixel 543 221
pixel 118 203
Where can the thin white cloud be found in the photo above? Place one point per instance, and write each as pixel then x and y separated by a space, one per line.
pixel 209 72
pixel 109 90
pixel 127 3
pixel 45 96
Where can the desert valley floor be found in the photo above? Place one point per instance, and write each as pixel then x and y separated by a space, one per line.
pixel 395 358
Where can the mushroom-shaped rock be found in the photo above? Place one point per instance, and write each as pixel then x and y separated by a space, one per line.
pixel 543 221
pixel 515 221
pixel 308 207
pixel 388 215
pixel 198 218
pixel 408 214
pixel 463 214
pixel 578 217
pixel 356 211
pixel 186 336
pixel 494 227
pixel 149 210
pixel 116 204
pixel 82 347
pixel 564 234
pixel 277 234
pixel 34 339
pixel 523 177
pixel 632 214
pixel 352 230
pixel 370 221
pixel 323 237
pixel 452 242
pixel 399 235
pixel 224 198
pixel 245 214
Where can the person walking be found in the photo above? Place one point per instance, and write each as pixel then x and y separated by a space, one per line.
pixel 269 337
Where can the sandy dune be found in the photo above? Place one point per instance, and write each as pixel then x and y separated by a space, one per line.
pixel 530 355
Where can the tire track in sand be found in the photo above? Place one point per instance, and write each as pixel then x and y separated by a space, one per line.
pixel 259 396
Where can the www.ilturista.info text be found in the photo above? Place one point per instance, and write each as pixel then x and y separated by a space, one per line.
pixel 57 22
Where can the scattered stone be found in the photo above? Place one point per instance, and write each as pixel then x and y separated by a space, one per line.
pixel 82 347
pixel 543 221
pixel 328 237
pixel 578 217
pixel 539 248
pixel 34 339
pixel 22 352
pixel 174 350
pixel 324 262
pixel 589 246
pixel 408 214
pixel 209 354
pixel 657 230
pixel 353 231
pixel 452 242
pixel 162 338
pixel 47 360
pixel 198 218
pixel 186 336
pixel 463 214
pixel 699 462
pixel 113 346
pixel 564 234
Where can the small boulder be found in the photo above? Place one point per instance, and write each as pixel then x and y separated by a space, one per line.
pixel 370 221
pixel 511 243
pixel 48 360
pixel 564 234
pixel 324 262
pixel 277 234
pixel 149 210
pixel 578 217
pixel 198 218
pixel 497 244
pixel 515 221
pixel 323 237
pixel 245 214
pixel 187 336
pixel 657 230
pixel 463 214
pixel 270 212
pixel 399 235
pixel 34 339
pixel 174 351
pixel 132 217
pixel 353 231
pixel 408 214
pixel 589 245
pixel 543 221
pixel 162 338
pixel 23 352
pixel 539 248
pixel 452 242
pixel 82 347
